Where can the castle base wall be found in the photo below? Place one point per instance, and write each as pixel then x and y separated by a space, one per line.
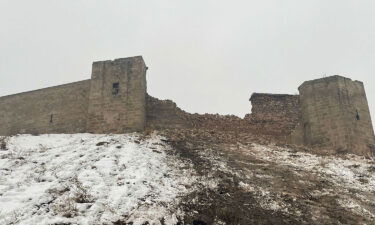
pixel 276 114
pixel 335 115
pixel 60 109
pixel 117 102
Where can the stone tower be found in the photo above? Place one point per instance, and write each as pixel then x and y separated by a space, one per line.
pixel 117 99
pixel 335 113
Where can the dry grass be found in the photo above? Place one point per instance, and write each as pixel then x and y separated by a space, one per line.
pixel 3 143
pixel 68 196
pixel 81 194
pixel 66 207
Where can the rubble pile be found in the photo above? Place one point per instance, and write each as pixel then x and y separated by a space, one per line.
pixel 276 126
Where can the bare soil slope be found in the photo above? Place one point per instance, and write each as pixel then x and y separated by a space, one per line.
pixel 268 184
pixel 178 177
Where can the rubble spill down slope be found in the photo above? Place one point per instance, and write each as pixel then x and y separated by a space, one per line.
pixel 184 177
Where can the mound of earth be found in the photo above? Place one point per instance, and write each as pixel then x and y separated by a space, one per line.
pixel 179 177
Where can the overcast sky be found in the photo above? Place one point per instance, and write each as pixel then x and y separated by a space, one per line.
pixel 206 55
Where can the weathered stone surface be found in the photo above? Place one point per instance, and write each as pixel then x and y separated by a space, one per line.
pixel 117 101
pixel 165 115
pixel 85 106
pixel 335 114
pixel 60 109
pixel 323 116
pixel 276 114
pixel 329 113
pixel 275 107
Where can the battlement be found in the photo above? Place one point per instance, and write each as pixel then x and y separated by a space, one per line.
pixel 120 62
pixel 333 78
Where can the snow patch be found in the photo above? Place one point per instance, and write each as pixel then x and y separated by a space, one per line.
pixel 91 179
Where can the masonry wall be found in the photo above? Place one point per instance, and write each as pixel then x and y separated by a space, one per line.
pixel 60 109
pixel 335 114
pixel 122 108
pixel 164 114
pixel 276 114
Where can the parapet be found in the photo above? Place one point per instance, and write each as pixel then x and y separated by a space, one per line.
pixel 329 79
pixel 99 66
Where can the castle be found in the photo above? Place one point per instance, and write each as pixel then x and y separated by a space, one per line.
pixel 330 112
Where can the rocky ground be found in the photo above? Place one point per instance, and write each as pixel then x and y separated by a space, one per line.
pixel 257 182
pixel 179 177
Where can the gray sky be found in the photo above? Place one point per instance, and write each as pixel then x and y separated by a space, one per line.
pixel 206 55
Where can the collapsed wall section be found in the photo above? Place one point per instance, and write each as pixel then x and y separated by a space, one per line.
pixel 273 118
pixel 117 102
pixel 164 114
pixel 60 109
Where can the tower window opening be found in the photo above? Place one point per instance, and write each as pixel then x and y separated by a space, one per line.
pixel 51 118
pixel 115 89
pixel 357 115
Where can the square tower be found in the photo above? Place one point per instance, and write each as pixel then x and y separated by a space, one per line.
pixel 117 100
pixel 335 114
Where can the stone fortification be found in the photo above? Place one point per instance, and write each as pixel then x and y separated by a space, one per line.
pixel 275 107
pixel 335 114
pixel 165 114
pixel 117 101
pixel 60 109
pixel 330 112
pixel 113 101
pixel 278 114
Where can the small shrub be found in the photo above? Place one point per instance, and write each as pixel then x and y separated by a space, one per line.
pixel 81 194
pixel 66 207
pixel 3 143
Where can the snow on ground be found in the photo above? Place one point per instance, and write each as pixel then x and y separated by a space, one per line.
pixel 90 179
pixel 352 176
pixel 100 179
pixel 353 172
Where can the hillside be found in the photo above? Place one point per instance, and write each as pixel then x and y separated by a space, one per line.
pixel 178 178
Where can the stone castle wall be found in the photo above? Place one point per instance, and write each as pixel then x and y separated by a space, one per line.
pixel 275 113
pixel 113 101
pixel 164 114
pixel 60 109
pixel 277 123
pixel 275 106
pixel 335 114
pixel 329 112
pixel 117 102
